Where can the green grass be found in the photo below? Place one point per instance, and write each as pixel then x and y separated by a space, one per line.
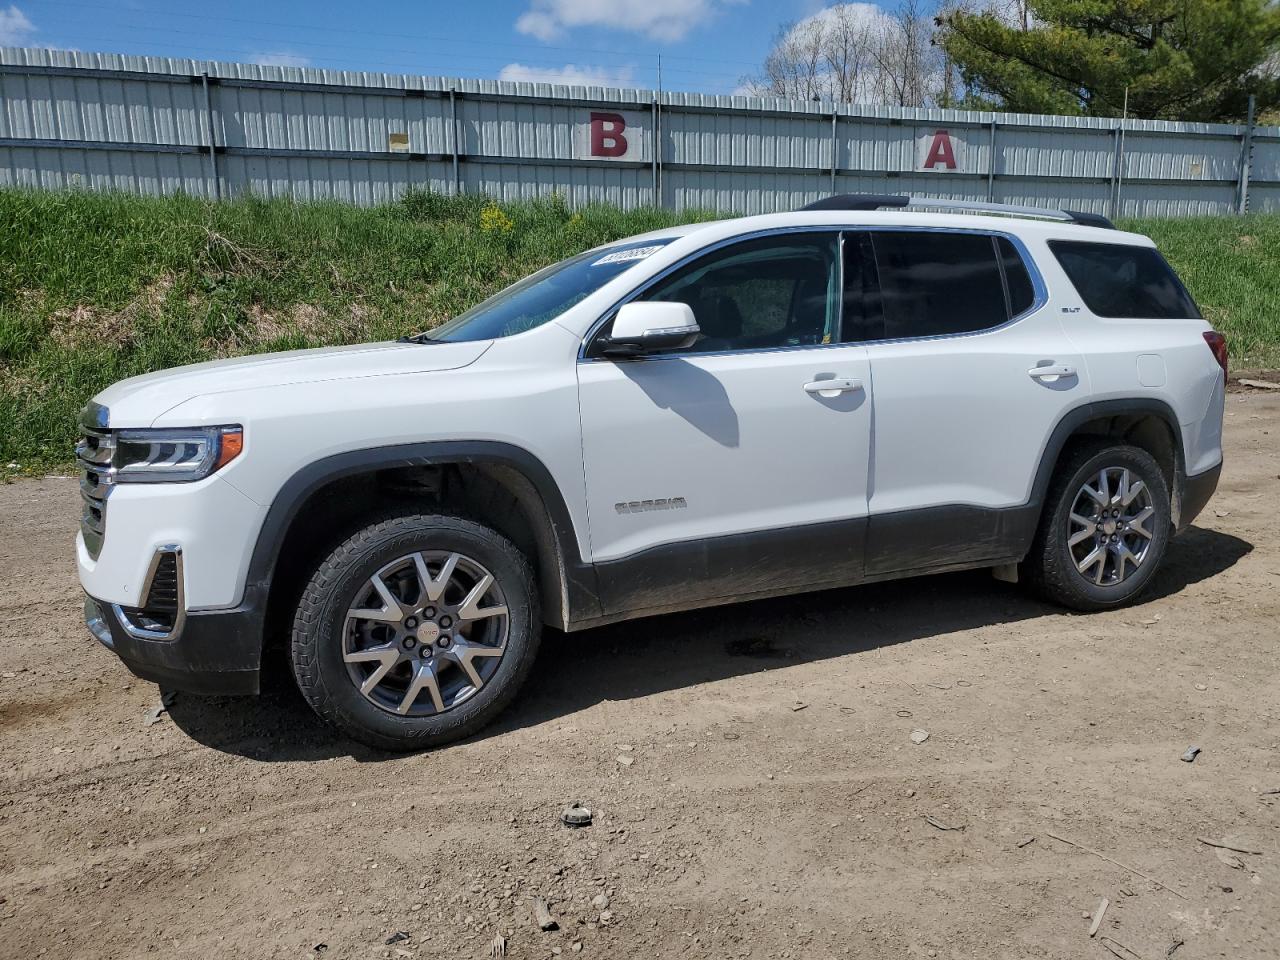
pixel 96 287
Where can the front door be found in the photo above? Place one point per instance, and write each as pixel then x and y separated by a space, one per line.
pixel 736 467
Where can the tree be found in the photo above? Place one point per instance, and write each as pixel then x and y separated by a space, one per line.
pixel 1178 59
pixel 854 53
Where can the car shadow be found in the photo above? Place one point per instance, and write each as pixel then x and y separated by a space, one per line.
pixel 639 658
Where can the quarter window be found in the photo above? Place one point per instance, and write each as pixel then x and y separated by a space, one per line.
pixel 777 291
pixel 1122 281
pixel 1022 293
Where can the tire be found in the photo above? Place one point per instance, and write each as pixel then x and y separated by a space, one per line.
pixel 1053 566
pixel 336 649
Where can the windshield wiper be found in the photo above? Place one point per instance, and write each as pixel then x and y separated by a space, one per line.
pixel 418 338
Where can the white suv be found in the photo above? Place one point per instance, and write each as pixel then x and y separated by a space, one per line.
pixel 696 416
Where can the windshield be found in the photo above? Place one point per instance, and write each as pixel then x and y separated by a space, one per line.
pixel 544 295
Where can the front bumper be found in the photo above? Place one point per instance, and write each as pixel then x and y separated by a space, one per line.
pixel 215 652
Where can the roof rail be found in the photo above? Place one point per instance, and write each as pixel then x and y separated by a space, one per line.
pixel 871 201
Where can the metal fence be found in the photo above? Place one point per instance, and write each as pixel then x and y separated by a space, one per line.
pixel 161 126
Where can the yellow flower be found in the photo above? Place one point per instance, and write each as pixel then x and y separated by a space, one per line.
pixel 493 220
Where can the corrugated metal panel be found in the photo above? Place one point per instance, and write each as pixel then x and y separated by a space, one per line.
pixel 107 121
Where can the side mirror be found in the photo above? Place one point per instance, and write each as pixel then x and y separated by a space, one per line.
pixel 651 325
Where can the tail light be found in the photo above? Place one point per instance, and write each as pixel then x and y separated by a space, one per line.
pixel 1218 344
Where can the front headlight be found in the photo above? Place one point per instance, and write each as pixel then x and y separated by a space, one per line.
pixel 174 455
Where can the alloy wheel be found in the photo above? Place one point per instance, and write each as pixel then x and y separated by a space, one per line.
pixel 1109 527
pixel 425 633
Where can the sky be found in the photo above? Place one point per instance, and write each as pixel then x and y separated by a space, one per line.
pixel 705 45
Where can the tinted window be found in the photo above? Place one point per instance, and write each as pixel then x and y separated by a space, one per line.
pixel 862 317
pixel 1022 293
pixel 772 292
pixel 1117 280
pixel 933 284
pixel 545 295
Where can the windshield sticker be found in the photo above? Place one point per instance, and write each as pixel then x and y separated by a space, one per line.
pixel 623 256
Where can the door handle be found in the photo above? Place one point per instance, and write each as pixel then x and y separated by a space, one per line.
pixel 833 387
pixel 1054 370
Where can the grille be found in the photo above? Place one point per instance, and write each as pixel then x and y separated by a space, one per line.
pixel 93 456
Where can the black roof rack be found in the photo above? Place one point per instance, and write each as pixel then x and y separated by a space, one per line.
pixel 872 201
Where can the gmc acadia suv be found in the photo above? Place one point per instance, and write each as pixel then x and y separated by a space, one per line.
pixel 866 389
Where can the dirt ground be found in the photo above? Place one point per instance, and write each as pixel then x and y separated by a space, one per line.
pixel 755 785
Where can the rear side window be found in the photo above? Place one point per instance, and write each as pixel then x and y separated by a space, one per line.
pixel 935 284
pixel 1121 281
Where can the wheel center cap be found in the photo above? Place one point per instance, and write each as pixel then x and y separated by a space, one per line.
pixel 428 632
pixel 1109 527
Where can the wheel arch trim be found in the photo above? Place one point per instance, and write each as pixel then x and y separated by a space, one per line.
pixel 1087 412
pixel 576 586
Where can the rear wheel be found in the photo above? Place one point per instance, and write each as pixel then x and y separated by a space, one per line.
pixel 1104 530
pixel 416 631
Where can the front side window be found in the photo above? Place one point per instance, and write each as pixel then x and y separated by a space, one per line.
pixel 1124 282
pixel 777 291
pixel 544 295
pixel 936 284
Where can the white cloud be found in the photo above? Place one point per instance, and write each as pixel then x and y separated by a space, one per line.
pixel 662 20
pixel 570 75
pixel 15 28
pixel 857 16
pixel 280 58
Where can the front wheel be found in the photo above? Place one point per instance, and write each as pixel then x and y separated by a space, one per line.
pixel 416 631
pixel 1104 530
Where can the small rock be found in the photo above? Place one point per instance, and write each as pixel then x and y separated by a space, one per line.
pixel 623 759
pixel 398 937
pixel 8 675
pixel 576 946
pixel 155 714
pixel 919 736
pixel 542 915
pixel 1190 755
pixel 1201 687
pixel 320 947
pixel 576 816
pixel 600 901
pixel 606 916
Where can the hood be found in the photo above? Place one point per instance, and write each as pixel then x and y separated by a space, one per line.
pixel 139 401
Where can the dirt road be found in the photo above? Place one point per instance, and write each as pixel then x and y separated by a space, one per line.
pixel 756 788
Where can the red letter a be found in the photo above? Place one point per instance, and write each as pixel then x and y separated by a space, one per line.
pixel 940 152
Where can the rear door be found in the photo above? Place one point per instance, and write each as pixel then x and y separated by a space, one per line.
pixel 971 370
